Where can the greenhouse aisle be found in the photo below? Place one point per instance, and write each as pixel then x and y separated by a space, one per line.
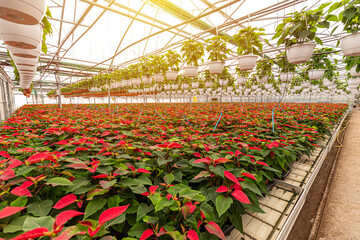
pixel 341 215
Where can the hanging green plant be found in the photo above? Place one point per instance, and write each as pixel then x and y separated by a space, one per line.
pixel 249 42
pixel 300 27
pixel 192 52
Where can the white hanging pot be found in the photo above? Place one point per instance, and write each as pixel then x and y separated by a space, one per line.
pixel 268 86
pixel 263 79
pixel 171 75
pixel 25 53
pixel 300 53
pixel 216 67
pixel 286 77
pixel 327 83
pixel 24 61
pixel 146 80
pixel 21 36
pixel 25 85
pixel 305 84
pixel 241 80
pixel 314 87
pixel 185 86
pixel 247 62
pixel 350 45
pixel 191 71
pixel 28 68
pixel 223 82
pixel 316 74
pixel 174 86
pixel 28 12
pixel 354 82
pixel 297 88
pixel 194 85
pixel 353 72
pixel 159 77
pixel 230 89
pixel 136 81
pixel 209 84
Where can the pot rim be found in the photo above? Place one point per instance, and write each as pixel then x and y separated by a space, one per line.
pixel 350 34
pixel 302 44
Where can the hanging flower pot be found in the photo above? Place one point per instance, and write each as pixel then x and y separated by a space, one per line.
pixel 297 88
pixel 353 72
pixel 262 80
pixel 28 12
pixel 300 53
pixel 241 80
pixel 159 77
pixel 316 74
pixel 22 67
pixel 268 86
pixel 327 83
pixel 350 45
pixel 354 82
pixel 174 86
pixel 223 82
pixel 146 80
pixel 171 75
pixel 247 62
pixel 20 61
pixel 25 53
pixel 21 36
pixel 305 84
pixel 191 71
pixel 230 89
pixel 216 67
pixel 286 77
pixel 185 86
pixel 209 84
pixel 194 85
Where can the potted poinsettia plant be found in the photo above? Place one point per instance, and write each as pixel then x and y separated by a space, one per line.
pixel 225 77
pixel 353 65
pixel 218 50
pixel 192 53
pixel 158 66
pixel 264 70
pixel 298 33
pixel 319 63
pixel 249 46
pixel 146 70
pixel 350 44
pixel 286 69
pixel 173 60
pixel 242 76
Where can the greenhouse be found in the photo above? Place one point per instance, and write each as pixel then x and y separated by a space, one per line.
pixel 182 120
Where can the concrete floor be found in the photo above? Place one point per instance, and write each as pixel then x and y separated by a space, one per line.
pixel 341 218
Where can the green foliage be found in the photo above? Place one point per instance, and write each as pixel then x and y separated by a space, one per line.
pixel 349 16
pixel 284 64
pixel 217 48
pixel 158 64
pixel 47 29
pixel 264 68
pixel 352 61
pixel 173 60
pixel 248 41
pixel 192 52
pixel 300 27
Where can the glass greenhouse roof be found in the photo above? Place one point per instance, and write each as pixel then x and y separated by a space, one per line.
pixel 90 36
